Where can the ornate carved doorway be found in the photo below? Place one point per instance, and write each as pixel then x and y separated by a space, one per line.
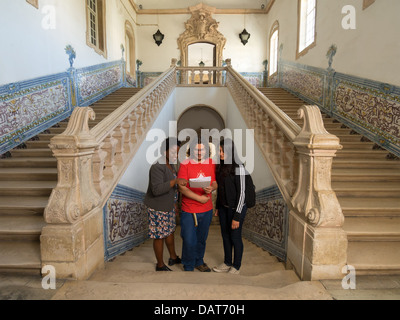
pixel 201 28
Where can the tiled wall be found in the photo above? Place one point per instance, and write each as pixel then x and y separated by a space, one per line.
pixel 125 221
pixel 27 108
pixel 369 107
pixel 266 224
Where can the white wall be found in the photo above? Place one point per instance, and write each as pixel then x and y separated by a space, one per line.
pixel 370 51
pixel 247 58
pixel 262 176
pixel 136 176
pixel 28 50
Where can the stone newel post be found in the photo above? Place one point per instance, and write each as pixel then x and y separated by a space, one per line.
pixel 317 242
pixel 72 239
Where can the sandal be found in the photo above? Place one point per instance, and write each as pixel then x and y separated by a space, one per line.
pixel 203 268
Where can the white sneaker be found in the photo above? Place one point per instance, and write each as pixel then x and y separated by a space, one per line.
pixel 222 268
pixel 233 270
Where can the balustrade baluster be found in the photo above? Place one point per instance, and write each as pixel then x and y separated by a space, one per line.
pixel 119 135
pixel 110 144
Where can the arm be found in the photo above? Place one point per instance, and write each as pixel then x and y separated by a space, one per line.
pixel 157 183
pixel 191 195
pixel 241 190
pixel 211 188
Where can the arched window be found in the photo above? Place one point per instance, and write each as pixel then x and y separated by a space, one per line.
pixel 96 26
pixel 307 26
pixel 273 48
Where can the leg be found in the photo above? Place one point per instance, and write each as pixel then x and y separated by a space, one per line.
pixel 226 223
pixel 158 246
pixel 237 240
pixel 204 220
pixel 189 237
pixel 170 242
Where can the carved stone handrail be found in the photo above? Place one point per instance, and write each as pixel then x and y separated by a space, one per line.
pixel 300 160
pixel 200 76
pixel 90 165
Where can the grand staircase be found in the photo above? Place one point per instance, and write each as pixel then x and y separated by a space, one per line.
pixel 132 276
pixel 27 178
pixel 367 183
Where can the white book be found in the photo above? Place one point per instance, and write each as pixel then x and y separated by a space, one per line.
pixel 202 182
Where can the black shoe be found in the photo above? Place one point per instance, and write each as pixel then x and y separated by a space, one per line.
pixel 171 262
pixel 163 268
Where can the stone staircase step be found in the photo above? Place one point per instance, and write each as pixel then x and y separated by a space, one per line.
pixel 20 256
pixel 372 229
pixel 368 175
pixel 370 207
pixel 375 258
pixel 362 189
pixel 27 188
pixel 29 163
pixel 350 145
pixel 37 144
pixel 366 163
pixel 13 205
pixel 23 174
pixel 35 153
pixel 361 154
pixel 21 228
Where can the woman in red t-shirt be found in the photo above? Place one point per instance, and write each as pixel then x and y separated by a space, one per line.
pixel 197 206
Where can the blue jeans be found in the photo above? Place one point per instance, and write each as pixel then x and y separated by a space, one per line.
pixel 194 238
pixel 232 239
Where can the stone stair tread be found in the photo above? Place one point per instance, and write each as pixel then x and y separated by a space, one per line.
pixel 90 290
pixel 370 203
pixel 362 186
pixel 20 255
pixel 21 224
pixel 30 184
pixel 372 226
pixel 27 170
pixel 23 202
pixel 366 171
pixel 377 255
pixel 276 279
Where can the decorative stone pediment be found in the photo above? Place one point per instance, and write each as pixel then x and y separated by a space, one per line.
pixel 201 27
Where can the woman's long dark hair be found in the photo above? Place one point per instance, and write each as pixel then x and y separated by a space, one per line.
pixel 228 166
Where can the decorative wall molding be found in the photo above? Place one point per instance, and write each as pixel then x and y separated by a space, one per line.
pixel 125 221
pixel 201 27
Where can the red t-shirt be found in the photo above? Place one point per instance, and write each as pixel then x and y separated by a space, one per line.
pixel 190 169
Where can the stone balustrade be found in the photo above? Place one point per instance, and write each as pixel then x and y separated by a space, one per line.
pixel 200 76
pixel 91 162
pixel 90 165
pixel 300 160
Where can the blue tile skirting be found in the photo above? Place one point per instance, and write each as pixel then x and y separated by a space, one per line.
pixel 266 225
pixel 27 108
pixel 125 221
pixel 369 107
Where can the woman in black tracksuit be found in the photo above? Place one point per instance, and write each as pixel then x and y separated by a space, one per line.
pixel 230 175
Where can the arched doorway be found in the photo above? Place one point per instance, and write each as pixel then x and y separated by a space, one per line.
pixel 200 117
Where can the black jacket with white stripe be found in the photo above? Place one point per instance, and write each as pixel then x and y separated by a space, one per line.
pixel 231 192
